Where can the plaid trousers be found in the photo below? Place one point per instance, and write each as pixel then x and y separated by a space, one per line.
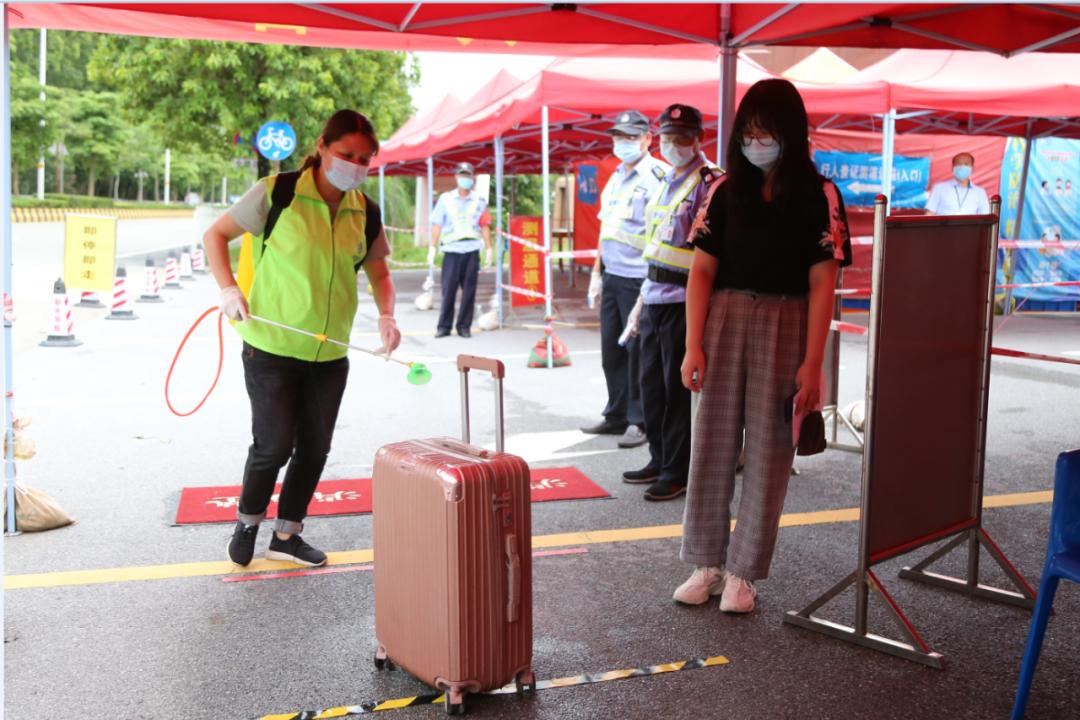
pixel 754 344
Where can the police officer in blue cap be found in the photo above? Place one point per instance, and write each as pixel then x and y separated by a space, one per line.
pixel 620 271
pixel 660 312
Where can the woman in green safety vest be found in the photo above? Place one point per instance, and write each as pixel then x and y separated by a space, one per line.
pixel 768 243
pixel 310 233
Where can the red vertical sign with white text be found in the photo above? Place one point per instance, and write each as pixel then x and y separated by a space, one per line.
pixel 526 263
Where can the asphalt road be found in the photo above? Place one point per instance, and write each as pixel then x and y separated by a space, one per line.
pixel 197 647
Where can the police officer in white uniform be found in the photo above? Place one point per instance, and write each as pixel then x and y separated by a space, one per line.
pixel 959 196
pixel 660 313
pixel 462 223
pixel 620 270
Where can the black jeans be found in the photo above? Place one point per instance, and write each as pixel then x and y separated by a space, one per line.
pixel 458 269
pixel 294 406
pixel 665 399
pixel 620 363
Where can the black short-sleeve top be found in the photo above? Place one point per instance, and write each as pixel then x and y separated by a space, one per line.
pixel 770 250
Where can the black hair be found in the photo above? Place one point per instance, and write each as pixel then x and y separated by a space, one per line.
pixel 343 122
pixel 961 155
pixel 775 106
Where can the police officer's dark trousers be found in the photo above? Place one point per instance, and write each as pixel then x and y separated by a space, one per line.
pixel 665 399
pixel 620 363
pixel 458 270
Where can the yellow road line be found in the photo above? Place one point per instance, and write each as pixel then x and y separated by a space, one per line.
pixel 353 557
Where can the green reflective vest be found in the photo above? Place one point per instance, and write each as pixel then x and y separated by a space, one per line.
pixel 305 274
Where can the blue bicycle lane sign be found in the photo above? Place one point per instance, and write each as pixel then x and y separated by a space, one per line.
pixel 275 140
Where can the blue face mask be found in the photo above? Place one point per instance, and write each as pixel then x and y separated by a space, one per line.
pixel 464 182
pixel 627 150
pixel 961 172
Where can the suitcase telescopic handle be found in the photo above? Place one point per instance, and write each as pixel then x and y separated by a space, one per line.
pixel 466 363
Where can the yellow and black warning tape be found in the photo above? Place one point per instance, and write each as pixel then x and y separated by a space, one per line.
pixel 564 682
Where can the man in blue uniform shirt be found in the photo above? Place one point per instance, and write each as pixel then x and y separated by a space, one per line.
pixel 620 271
pixel 660 312
pixel 462 223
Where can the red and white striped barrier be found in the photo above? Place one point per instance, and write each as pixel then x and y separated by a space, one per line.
pixel 853 329
pixel 121 309
pixel 152 284
pixel 89 299
pixel 198 260
pixel 172 273
pixel 9 310
pixel 524 242
pixel 865 292
pixel 525 292
pixel 61 331
pixel 185 266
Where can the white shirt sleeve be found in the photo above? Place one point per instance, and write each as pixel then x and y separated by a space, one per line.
pixel 983 204
pixel 934 203
pixel 251 210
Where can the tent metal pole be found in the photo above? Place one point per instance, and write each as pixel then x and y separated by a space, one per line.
pixel 1010 254
pixel 545 142
pixel 382 191
pixel 888 147
pixel 5 260
pixel 725 119
pixel 498 227
pixel 430 194
pixel 42 59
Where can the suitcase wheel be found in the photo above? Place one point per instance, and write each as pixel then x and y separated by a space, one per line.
pixel 525 682
pixel 455 702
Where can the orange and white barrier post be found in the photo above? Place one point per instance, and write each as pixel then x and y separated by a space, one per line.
pixel 198 260
pixel 185 265
pixel 152 287
pixel 61 331
pixel 172 273
pixel 121 309
pixel 89 299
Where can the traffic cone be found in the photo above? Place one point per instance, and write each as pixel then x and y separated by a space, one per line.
pixel 559 354
pixel 172 273
pixel 185 265
pixel 89 299
pixel 198 260
pixel 152 288
pixel 61 331
pixel 121 310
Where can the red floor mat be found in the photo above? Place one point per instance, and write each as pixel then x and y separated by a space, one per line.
pixel 352 497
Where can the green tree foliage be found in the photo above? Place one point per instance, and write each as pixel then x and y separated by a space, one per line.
pixel 206 92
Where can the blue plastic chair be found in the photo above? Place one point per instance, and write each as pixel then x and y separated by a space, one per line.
pixel 1062 561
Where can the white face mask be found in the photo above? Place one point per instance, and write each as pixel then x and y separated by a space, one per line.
pixel 627 150
pixel 344 175
pixel 677 155
pixel 464 182
pixel 762 156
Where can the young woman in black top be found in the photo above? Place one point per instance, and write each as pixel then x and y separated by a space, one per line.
pixel 768 243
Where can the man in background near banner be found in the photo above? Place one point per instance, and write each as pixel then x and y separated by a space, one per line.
pixel 660 312
pixel 462 223
pixel 959 196
pixel 620 270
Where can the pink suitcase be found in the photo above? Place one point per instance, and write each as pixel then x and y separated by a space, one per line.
pixel 453 558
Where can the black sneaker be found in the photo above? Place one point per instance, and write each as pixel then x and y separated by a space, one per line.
pixel 640 477
pixel 665 490
pixel 442 333
pixel 295 550
pixel 466 333
pixel 242 545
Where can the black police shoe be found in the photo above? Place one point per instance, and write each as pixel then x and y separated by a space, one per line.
pixel 242 545
pixel 642 476
pixel 606 427
pixel 665 490
pixel 295 550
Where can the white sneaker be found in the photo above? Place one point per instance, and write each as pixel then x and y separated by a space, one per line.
pixel 704 583
pixel 738 595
